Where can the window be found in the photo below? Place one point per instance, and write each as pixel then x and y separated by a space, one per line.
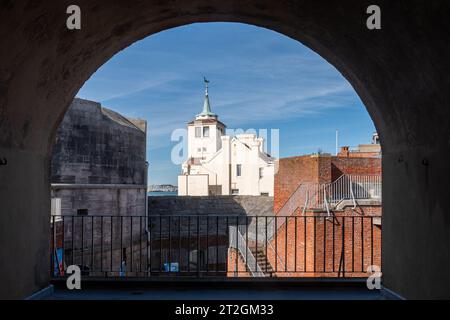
pixel 238 170
pixel 265 194
pixel 204 149
pixel 205 131
pixel 82 212
pixel 261 172
pixel 198 132
pixel 234 191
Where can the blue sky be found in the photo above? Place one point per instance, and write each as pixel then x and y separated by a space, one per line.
pixel 259 79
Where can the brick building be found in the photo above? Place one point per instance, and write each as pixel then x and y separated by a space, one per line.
pixel 327 218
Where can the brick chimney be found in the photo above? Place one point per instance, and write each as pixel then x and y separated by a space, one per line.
pixel 345 152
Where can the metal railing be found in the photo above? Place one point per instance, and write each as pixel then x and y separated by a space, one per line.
pixel 346 187
pixel 201 246
pixel 327 196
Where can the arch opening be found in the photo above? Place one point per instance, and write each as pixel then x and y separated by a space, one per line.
pixel 320 90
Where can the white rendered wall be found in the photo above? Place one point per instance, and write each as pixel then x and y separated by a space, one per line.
pixel 193 185
pixel 196 145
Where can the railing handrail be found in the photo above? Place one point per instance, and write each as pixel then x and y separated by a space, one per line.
pixel 276 253
pixel 290 197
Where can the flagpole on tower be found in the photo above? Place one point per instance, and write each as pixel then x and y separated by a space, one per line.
pixel 337 141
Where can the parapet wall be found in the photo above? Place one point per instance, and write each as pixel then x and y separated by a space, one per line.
pixel 213 205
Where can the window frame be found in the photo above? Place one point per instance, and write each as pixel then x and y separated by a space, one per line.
pixel 205 132
pixel 199 131
pixel 238 170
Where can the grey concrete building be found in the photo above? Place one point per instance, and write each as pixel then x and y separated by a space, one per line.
pixel 99 163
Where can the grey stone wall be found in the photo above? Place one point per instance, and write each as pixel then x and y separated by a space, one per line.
pixel 101 201
pixel 95 145
pixel 220 205
pixel 218 208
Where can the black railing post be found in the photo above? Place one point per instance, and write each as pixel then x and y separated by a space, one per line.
pixel 353 244
pixel 101 244
pixel 256 241
pixel 217 245
pixel 63 239
pixel 246 243
pixel 82 242
pixel 371 241
pixel 305 220
pixel 324 244
pixel 131 243
pixel 179 244
pixel 189 245
pixel 111 245
pixel 198 246
pixel 295 244
pixel 314 243
pixel 73 237
pixel 207 244
pixel 160 246
pixel 266 244
pixel 52 247
pixel 140 244
pixel 170 245
pixel 227 249
pixel 149 245
pixel 286 245
pixel 276 244
pixel 237 246
pixel 362 244
pixel 92 244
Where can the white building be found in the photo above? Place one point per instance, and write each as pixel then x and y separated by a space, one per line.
pixel 218 164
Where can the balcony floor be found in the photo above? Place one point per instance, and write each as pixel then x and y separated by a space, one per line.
pixel 217 290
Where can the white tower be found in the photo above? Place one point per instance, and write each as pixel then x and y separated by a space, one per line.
pixel 204 133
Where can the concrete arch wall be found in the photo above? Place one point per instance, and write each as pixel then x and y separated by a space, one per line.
pixel 400 73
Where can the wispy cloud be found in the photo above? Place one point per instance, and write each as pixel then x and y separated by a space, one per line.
pixel 258 78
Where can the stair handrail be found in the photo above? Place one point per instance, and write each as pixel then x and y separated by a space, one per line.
pixel 246 254
pixel 276 254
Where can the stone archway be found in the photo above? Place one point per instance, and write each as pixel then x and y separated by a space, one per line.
pixel 400 72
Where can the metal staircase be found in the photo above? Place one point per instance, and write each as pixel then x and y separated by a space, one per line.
pixel 262 260
pixel 327 197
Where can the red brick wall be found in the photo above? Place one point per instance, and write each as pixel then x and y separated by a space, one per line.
pixel 292 172
pixel 361 166
pixel 317 169
pixel 236 265
pixel 362 241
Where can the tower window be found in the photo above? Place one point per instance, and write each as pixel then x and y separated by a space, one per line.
pixel 206 131
pixel 198 132
pixel 238 170
pixel 261 172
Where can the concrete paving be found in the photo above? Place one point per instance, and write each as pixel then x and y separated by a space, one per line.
pixel 202 293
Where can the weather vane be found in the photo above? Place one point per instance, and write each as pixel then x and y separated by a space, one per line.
pixel 206 83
